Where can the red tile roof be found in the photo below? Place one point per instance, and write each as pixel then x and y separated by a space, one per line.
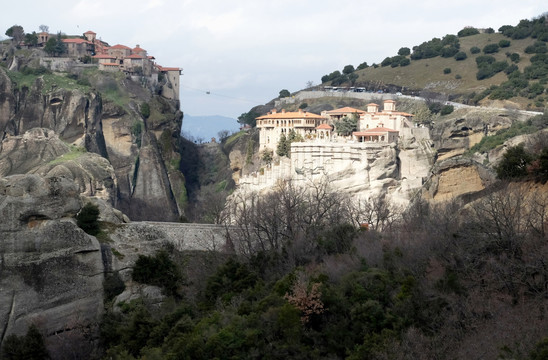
pixel 103 56
pixel 135 56
pixel 324 127
pixel 90 32
pixel 161 68
pixel 76 41
pixel 118 46
pixel 138 49
pixel 345 110
pixel 290 115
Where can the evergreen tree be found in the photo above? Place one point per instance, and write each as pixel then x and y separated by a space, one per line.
pixel 283 146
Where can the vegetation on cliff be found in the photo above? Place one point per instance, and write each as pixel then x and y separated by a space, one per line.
pixel 438 282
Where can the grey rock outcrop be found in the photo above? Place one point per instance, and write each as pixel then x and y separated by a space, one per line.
pixel 40 151
pixel 51 272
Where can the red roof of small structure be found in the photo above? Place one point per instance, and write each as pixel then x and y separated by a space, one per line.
pixel 138 49
pixel 324 127
pixel 344 110
pixel 135 56
pixel 118 46
pixel 76 41
pixel 90 32
pixel 161 68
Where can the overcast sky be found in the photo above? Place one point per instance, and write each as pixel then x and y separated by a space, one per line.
pixel 243 52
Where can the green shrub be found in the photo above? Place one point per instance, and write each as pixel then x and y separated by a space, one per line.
pixel 446 109
pixel 28 347
pixel 468 31
pixel 504 43
pixel 404 51
pixel 458 77
pixel 490 49
pixel 474 50
pixel 447 71
pixel 145 110
pixel 514 163
pixel 514 57
pixel 158 270
pixel 461 55
pixel 88 219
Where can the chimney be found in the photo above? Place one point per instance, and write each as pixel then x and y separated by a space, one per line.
pixel 273 111
pixel 283 111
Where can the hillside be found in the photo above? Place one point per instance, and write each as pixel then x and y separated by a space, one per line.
pixel 448 65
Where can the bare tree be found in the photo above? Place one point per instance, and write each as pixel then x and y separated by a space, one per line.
pixel 43 28
pixel 378 212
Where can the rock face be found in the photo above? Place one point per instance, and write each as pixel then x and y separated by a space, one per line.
pixel 141 151
pixel 363 170
pixel 51 272
pixel 40 151
pixel 456 178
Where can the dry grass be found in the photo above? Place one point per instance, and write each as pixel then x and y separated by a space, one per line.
pixel 428 73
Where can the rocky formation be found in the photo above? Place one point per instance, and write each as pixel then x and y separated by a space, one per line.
pixel 143 151
pixel 51 272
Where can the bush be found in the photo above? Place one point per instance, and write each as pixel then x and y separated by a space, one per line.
pixel 447 109
pixel 474 50
pixel 158 270
pixel 514 163
pixel 447 71
pixel 514 57
pixel 284 93
pixel 468 31
pixel 458 77
pixel 461 55
pixel 87 219
pixel 145 110
pixel 490 49
pixel 504 43
pixel 28 347
pixel 404 51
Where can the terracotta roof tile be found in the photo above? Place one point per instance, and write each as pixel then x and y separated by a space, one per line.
pixel 324 127
pixel 345 109
pixel 291 115
pixel 118 46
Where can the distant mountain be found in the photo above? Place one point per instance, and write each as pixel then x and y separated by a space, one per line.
pixel 206 127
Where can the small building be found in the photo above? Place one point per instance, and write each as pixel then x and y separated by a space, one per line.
pixel 379 134
pixel 90 36
pixel 338 114
pixel 43 38
pixel 119 52
pixel 324 132
pixel 78 47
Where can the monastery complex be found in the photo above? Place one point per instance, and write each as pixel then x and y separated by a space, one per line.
pixel 373 125
pixel 135 62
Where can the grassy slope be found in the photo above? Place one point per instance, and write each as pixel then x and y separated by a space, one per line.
pixel 428 73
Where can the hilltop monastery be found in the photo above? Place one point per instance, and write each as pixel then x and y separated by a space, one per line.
pixel 374 125
pixel 132 61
